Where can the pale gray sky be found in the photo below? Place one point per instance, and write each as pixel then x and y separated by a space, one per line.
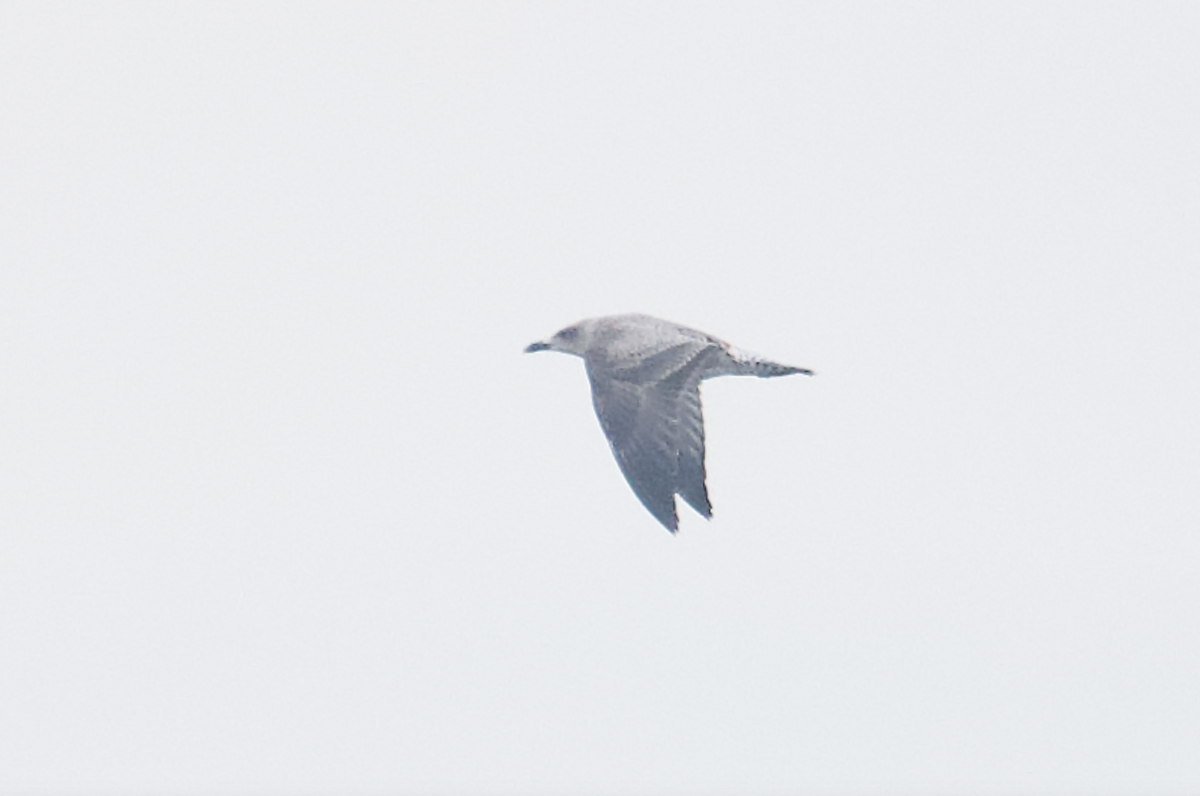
pixel 283 507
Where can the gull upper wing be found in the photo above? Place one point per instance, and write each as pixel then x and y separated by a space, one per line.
pixel 650 411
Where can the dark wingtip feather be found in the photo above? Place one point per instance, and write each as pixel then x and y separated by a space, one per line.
pixel 697 498
pixel 663 511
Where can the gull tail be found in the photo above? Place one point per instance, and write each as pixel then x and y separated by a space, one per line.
pixel 747 364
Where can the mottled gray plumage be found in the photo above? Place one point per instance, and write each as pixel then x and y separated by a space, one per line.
pixel 645 375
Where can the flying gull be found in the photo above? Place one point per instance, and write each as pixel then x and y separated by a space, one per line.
pixel 645 375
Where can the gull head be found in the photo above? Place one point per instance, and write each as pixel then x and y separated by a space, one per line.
pixel 571 340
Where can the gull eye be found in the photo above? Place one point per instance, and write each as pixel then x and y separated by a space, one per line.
pixel 570 333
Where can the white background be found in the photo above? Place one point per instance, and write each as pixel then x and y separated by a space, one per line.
pixel 284 508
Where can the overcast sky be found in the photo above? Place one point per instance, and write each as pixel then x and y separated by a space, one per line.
pixel 284 508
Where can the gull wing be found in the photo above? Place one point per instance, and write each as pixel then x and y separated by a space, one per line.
pixel 650 411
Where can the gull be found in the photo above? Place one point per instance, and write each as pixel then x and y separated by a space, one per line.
pixel 645 374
